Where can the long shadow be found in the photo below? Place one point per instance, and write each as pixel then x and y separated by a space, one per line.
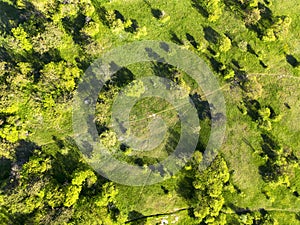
pixel 267 19
pixel 163 70
pixel 133 216
pixel 251 50
pixel 24 151
pixel 216 65
pixel 9 14
pixel 192 40
pixel 64 164
pixel 157 13
pixel 211 35
pixel 119 15
pixel 101 12
pixel 5 168
pixel 134 26
pixel 252 108
pixel 197 5
pixel 185 187
pixel 73 26
pixel 292 60
pixel 202 107
pixel 123 77
pixel 175 38
pixel 272 170
pixel 10 175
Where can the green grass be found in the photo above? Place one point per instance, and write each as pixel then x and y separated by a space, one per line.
pixel 241 157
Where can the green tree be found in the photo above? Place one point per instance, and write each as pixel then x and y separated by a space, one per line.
pixel 20 34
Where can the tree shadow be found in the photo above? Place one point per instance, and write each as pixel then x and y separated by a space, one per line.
pixel 216 65
pixel 269 172
pixel 211 35
pixel 192 40
pixel 265 12
pixel 9 15
pixel 154 55
pixel 197 5
pixel 266 21
pixel 175 38
pixel 64 165
pixel 136 218
pixel 251 50
pixel 119 16
pixel 4 55
pixel 292 61
pixel 134 26
pixel 185 187
pixel 238 210
pixel 202 107
pixel 123 77
pixel 73 27
pixel 163 70
pixel 252 108
pixel 10 169
pixel 101 12
pixel 164 46
pixel 24 151
pixel 157 13
pixel 263 64
pixel 5 168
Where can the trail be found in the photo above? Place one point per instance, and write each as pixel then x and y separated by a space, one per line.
pixel 236 211
pixel 280 76
pixel 274 75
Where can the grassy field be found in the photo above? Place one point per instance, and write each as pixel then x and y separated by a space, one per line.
pixel 271 66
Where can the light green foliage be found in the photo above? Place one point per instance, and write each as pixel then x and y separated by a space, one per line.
pixel 214 9
pixel 108 194
pixel 256 217
pixel 72 195
pixel 253 3
pixel 9 133
pixel 51 38
pixel 73 190
pixel 281 27
pixel 22 37
pixel 141 32
pixel 82 176
pixel 59 77
pixel 278 30
pixel 209 187
pixel 224 44
pixel 135 89
pixel 109 139
pixel 253 16
pixel 229 74
pixel 35 166
pixel 54 196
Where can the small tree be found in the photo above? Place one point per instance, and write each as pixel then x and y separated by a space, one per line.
pixel 224 43
pixel 135 89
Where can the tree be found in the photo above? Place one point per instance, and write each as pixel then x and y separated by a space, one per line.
pixel 278 30
pixel 224 43
pixel 73 190
pixel 20 34
pixel 214 9
pixel 135 89
pixel 209 186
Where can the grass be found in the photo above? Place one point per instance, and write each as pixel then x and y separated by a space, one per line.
pixel 241 130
